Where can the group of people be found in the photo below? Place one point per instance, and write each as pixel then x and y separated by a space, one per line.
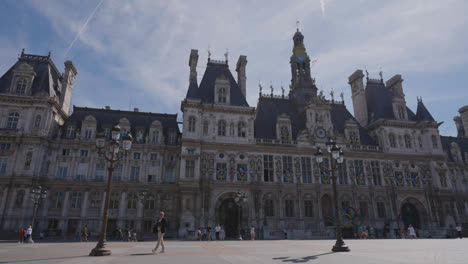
pixel 364 232
pixel 26 235
pixel 127 235
pixel 206 234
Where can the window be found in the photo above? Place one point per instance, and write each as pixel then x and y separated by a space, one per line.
pixel 268 168
pixel 289 208
pixel 288 175
pixel 284 133
pixel 342 173
pixel 191 151
pixel 359 172
pixel 155 137
pixel 420 142
pixel 241 129
pixel 171 138
pixel 117 175
pixel 84 153
pixel 308 208
pixel 222 128
pixel 205 128
pixel 306 170
pixel 132 201
pixel 139 136
pixel 134 173
pixel 3 165
pixel 96 200
pixel 153 156
pixel 221 95
pixel 151 177
pixel 434 141
pixel 21 86
pixel 454 185
pixel 57 200
pixel 191 124
pixel 114 201
pixel 231 129
pixel 76 200
pixel 88 133
pixel 391 138
pixel 169 175
pixel 189 168
pixel 82 171
pixel 19 198
pixel 107 133
pixel 5 146
pixel 375 167
pixel 221 171
pixel 408 141
pixel 12 121
pixel 99 172
pixel 325 172
pixel 136 155
pixel 65 152
pixel 70 132
pixel 123 133
pixel 62 172
pixel 149 203
pixel 380 209
pixel 37 121
pixel 147 226
pixel 269 208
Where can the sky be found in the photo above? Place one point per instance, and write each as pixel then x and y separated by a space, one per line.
pixel 135 53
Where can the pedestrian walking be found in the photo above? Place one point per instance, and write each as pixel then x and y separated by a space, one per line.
pixel 199 234
pixel 29 235
pixel 402 233
pixel 160 226
pixel 252 233
pixel 459 231
pixel 217 230
pixel 134 237
pixel 22 233
pixel 412 232
pixel 209 233
pixel 222 234
pixel 84 234
pixel 205 236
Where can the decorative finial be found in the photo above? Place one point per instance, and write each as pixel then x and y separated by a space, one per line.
pixel 260 88
pixel 226 55
pixel 271 88
pixel 367 73
pixel 48 56
pixel 342 96
pixel 297 25
pixel 282 90
pixel 209 53
pixel 332 94
pixel 381 74
pixel 22 52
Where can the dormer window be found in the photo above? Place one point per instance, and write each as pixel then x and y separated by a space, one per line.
pixel 70 132
pixel 284 133
pixel 139 136
pixel 172 138
pixel 21 85
pixel 12 121
pixel 155 137
pixel 222 128
pixel 222 95
pixel 241 129
pixel 107 133
pixel 88 133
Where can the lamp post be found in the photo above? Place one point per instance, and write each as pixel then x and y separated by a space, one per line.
pixel 239 198
pixel 335 156
pixel 143 195
pixel 112 157
pixel 37 194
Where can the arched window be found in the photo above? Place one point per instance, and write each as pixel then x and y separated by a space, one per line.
pixel 70 132
pixel 407 141
pixel 434 141
pixel 191 124
pixel 269 208
pixel 391 138
pixel 155 137
pixel 205 128
pixel 21 86
pixel 13 119
pixel 76 200
pixel 221 95
pixel 222 128
pixel 132 201
pixel 241 129
pixel 37 121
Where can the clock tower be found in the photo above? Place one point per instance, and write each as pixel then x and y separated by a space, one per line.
pixel 302 85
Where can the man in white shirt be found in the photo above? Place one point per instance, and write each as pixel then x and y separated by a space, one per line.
pixel 459 231
pixel 29 235
pixel 217 230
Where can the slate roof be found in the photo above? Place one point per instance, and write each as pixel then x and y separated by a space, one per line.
pixel 137 120
pixel 205 92
pixel 422 114
pixel 340 114
pixel 461 142
pixel 48 79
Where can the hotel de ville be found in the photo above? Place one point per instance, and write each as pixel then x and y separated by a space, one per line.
pixel 397 170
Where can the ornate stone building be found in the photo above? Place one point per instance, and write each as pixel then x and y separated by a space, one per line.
pixel 398 170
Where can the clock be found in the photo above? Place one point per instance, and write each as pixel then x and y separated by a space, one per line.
pixel 320 132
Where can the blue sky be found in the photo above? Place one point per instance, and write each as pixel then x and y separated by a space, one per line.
pixel 135 53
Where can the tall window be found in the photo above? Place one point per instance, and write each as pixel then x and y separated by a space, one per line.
pixel 153 156
pixel 269 208
pixel 62 172
pixel 191 124
pixel 132 201
pixel 65 152
pixel 172 138
pixel 149 203
pixel 221 171
pixel 392 139
pixel 139 136
pixel 408 141
pixel 155 137
pixel 205 128
pixel 88 133
pixel 241 129
pixel 342 173
pixel 99 172
pixel 123 133
pixel 3 165
pixel 288 175
pixel 107 133
pixel 137 155
pixel 380 209
pixel 308 208
pixel 76 200
pixel 268 168
pixel 84 153
pixel 117 175
pixel 222 128
pixel 221 95
pixel 169 175
pixel 284 133
pixel 306 170
pixel 21 86
pixel 375 166
pixel 96 200
pixel 12 121
pixel 359 172
pixel 114 201
pixel 189 168
pixel 70 132
pixel 289 208
pixel 134 173
pixel 434 141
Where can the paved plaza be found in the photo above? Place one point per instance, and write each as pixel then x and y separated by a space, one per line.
pixel 279 251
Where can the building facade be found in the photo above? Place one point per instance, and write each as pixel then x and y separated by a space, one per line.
pixel 398 169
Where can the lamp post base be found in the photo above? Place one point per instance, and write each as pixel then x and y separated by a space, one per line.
pixel 340 246
pixel 100 250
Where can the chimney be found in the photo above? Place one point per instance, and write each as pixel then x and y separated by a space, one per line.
pixel 136 110
pixel 464 119
pixel 193 60
pixel 394 85
pixel 108 107
pixel 359 97
pixel 67 84
pixel 459 124
pixel 240 69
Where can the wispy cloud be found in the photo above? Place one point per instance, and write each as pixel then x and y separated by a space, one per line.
pixel 322 7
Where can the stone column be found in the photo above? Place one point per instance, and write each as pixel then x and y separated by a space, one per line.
pixel 63 222
pixel 9 219
pixel 3 199
pixel 84 206
pixel 122 207
pixel 28 206
pixel 139 222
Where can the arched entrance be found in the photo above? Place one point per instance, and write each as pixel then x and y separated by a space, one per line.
pixel 228 213
pixel 410 215
pixel 327 210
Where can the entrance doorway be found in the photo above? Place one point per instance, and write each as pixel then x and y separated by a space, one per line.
pixel 229 217
pixel 410 215
pixel 327 210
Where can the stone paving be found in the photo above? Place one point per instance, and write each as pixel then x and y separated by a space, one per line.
pixel 276 251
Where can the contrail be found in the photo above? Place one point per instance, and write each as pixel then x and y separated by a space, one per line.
pixel 322 6
pixel 83 27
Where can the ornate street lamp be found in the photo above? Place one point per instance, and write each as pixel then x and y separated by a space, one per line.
pixel 112 156
pixel 239 198
pixel 335 156
pixel 37 194
pixel 143 197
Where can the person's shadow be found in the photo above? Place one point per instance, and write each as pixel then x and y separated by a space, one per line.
pixel 303 259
